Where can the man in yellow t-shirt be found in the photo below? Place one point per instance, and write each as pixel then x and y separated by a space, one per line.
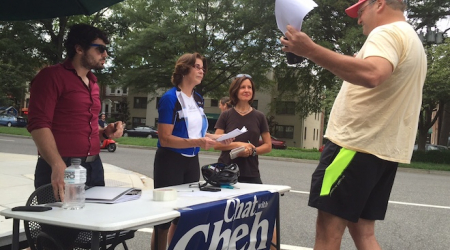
pixel 373 122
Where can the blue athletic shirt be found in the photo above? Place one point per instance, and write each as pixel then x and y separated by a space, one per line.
pixel 170 110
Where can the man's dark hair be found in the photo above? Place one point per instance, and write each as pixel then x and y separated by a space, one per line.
pixel 83 35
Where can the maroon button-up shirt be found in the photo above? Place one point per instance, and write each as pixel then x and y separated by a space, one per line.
pixel 60 101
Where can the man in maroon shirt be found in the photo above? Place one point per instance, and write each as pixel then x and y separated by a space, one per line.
pixel 63 113
pixel 64 108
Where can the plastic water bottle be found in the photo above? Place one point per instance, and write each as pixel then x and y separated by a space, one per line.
pixel 74 179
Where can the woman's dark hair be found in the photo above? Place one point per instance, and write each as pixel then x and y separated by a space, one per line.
pixel 184 65
pixel 226 101
pixel 83 35
pixel 234 89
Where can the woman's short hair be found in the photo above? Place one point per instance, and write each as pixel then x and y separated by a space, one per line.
pixel 83 35
pixel 234 89
pixel 184 65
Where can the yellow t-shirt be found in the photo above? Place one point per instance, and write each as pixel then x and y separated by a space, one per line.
pixel 383 120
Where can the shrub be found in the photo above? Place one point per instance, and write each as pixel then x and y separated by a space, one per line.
pixel 432 156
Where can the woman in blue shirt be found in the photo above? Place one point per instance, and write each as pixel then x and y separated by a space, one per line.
pixel 182 128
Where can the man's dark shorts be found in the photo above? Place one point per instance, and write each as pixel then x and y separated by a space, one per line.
pixel 352 185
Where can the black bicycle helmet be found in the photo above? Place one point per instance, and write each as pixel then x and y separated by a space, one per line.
pixel 218 174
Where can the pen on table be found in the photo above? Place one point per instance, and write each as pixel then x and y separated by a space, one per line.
pixel 191 190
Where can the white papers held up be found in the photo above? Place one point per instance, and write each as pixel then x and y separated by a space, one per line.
pixel 110 195
pixel 232 134
pixel 292 12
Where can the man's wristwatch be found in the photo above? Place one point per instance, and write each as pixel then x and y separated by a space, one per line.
pixel 254 152
pixel 105 136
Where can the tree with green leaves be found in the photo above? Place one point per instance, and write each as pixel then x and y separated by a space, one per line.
pixel 307 83
pixel 436 91
pixel 28 46
pixel 235 36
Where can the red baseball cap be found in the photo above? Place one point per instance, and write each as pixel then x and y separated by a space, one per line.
pixel 352 11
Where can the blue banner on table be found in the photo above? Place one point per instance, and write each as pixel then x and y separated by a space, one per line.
pixel 243 222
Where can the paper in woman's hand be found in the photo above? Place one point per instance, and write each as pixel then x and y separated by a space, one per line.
pixel 232 134
pixel 235 151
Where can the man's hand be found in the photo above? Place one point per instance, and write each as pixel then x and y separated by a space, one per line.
pixel 297 42
pixel 114 130
pixel 57 179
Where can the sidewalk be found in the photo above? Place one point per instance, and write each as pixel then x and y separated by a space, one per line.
pixel 16 185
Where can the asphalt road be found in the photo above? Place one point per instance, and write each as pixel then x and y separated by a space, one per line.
pixel 418 216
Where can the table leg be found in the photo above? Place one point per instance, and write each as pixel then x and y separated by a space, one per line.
pixel 277 225
pixel 95 243
pixel 15 236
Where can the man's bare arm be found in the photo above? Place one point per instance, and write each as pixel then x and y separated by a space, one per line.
pixel 369 72
pixel 45 142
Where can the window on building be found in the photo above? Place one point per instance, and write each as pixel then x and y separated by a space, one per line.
pixel 140 103
pixel 314 135
pixel 125 90
pixel 255 104
pixel 214 103
pixel 284 131
pixel 113 90
pixel 285 108
pixel 138 121
pixel 156 123
pixel 304 137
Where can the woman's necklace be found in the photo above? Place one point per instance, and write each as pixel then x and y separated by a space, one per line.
pixel 243 112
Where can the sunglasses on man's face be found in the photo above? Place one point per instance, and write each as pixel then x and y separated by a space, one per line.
pixel 100 47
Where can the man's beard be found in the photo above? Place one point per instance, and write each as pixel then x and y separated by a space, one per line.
pixel 89 63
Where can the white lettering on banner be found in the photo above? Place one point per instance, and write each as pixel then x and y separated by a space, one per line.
pixel 240 212
pixel 186 237
pixel 228 237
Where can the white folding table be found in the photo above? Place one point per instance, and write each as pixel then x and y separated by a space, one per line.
pixel 143 212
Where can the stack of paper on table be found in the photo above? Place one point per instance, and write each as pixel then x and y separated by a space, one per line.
pixel 110 195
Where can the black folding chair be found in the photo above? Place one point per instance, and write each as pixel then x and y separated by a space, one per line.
pixel 39 240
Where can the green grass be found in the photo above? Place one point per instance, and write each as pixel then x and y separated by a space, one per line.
pixel 137 141
pixel 309 154
pixel 14 131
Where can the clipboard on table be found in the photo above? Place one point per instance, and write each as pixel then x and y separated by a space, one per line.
pixel 111 195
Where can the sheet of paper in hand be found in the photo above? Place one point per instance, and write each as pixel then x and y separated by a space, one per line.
pixel 235 151
pixel 232 134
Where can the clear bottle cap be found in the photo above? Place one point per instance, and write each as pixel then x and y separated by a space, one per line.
pixel 75 161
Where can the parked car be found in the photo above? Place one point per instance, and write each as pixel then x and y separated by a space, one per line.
pixel 429 147
pixel 276 143
pixel 11 120
pixel 141 131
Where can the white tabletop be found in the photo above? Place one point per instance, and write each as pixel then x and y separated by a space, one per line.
pixel 137 213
